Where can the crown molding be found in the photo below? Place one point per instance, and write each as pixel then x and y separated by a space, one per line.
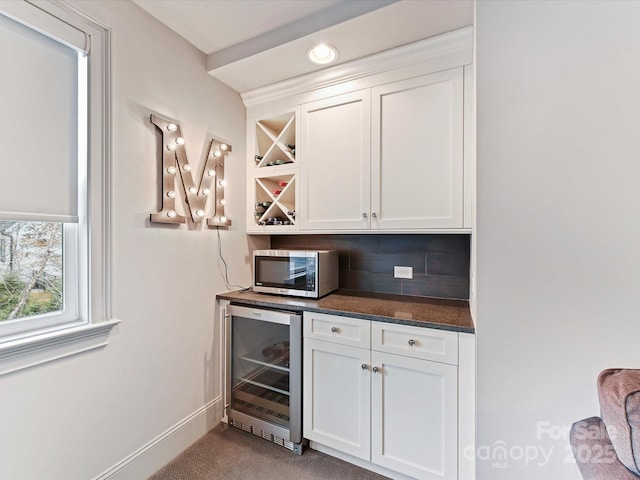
pixel 450 49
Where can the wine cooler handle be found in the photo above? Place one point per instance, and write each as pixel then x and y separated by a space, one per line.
pixel 226 360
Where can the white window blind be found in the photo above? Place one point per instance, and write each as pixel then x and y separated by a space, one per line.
pixel 38 124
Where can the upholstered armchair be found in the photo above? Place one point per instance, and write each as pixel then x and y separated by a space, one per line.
pixel 608 447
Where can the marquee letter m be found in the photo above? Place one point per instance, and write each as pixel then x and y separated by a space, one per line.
pixel 175 163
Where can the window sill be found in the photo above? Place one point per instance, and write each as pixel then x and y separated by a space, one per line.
pixel 38 349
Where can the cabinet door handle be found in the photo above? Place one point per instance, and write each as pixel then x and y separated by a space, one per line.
pixel 374 215
pixel 334 330
pixel 411 342
pixel 364 366
pixel 375 369
pixel 364 215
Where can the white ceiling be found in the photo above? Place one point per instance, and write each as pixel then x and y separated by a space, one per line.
pixel 253 43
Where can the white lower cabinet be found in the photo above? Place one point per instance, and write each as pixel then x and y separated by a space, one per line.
pixel 397 411
pixel 337 390
pixel 414 416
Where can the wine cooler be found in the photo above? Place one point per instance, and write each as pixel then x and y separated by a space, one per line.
pixel 263 392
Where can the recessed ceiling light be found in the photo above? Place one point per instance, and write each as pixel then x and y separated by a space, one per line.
pixel 322 54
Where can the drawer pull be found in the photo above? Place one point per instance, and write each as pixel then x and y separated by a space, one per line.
pixel 335 329
pixel 375 369
pixel 411 342
pixel 364 366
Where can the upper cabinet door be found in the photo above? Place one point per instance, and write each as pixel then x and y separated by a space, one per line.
pixel 417 153
pixel 334 160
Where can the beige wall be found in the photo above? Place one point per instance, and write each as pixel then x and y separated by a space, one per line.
pixel 558 223
pixel 78 417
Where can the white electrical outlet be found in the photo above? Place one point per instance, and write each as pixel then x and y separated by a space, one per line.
pixel 402 272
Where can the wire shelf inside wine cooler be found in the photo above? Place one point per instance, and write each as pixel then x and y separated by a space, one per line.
pixel 278 360
pixel 268 379
pixel 262 403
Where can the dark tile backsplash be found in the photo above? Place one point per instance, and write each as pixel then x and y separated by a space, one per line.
pixel 440 262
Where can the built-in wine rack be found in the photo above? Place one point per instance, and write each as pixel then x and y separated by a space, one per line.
pixel 275 141
pixel 272 200
pixel 275 200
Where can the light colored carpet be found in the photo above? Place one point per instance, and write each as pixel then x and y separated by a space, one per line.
pixel 226 453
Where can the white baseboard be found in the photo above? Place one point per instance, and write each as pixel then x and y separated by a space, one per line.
pixel 150 458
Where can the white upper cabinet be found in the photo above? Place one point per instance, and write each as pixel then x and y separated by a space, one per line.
pixel 384 144
pixel 417 153
pixel 385 158
pixel 335 151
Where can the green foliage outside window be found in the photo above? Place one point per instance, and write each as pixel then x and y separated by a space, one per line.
pixel 30 269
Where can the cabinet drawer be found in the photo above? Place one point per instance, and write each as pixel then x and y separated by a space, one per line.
pixel 337 329
pixel 417 342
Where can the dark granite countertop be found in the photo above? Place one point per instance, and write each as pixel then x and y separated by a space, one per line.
pixel 453 315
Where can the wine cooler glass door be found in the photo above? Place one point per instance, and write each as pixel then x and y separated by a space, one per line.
pixel 262 363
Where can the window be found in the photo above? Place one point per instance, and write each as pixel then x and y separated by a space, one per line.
pixel 38 276
pixel 31 269
pixel 54 248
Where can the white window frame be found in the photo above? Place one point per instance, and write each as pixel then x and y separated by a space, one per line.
pixel 90 328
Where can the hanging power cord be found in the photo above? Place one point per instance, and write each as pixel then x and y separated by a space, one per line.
pixel 226 268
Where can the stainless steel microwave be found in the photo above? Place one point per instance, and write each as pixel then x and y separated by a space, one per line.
pixel 301 273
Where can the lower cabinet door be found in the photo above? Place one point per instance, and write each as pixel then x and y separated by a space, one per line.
pixel 414 416
pixel 336 405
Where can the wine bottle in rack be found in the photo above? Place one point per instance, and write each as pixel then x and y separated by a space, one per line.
pixel 292 148
pixel 258 158
pixel 263 204
pixel 283 184
pixel 277 192
pixel 280 162
pixel 275 221
pixel 292 213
